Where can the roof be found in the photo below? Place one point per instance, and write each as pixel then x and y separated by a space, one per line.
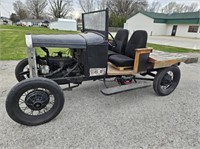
pixel 186 15
pixel 175 18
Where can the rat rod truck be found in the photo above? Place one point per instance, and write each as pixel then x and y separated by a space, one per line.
pixel 38 98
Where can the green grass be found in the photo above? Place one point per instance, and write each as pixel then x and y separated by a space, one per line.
pixel 13 47
pixel 172 49
pixel 12 40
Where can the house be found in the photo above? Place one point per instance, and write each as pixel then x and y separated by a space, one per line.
pixel 5 21
pixel 34 22
pixel 31 22
pixel 175 24
pixel 64 24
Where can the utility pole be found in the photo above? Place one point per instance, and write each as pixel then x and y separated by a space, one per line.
pixel 198 32
pixel 0 8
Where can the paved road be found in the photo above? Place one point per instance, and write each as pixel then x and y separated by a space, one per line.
pixel 133 120
pixel 176 41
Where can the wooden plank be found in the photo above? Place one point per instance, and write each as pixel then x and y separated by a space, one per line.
pixel 190 60
pixel 163 59
pixel 166 63
pixel 136 62
pixel 137 57
pixel 144 50
pixel 119 68
pixel 111 71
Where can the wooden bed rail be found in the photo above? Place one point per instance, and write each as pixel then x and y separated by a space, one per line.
pixel 141 59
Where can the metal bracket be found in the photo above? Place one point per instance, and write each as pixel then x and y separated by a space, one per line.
pixel 70 88
pixel 31 57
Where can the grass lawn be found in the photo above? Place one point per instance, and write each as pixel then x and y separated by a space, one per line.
pixel 172 49
pixel 12 40
pixel 13 47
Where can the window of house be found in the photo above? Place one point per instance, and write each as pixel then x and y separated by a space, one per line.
pixel 193 29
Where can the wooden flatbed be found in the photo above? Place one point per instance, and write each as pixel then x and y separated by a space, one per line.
pixel 156 60
pixel 163 59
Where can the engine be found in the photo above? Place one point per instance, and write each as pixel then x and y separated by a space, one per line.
pixel 59 66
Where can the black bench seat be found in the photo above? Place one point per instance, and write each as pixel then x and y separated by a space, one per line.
pixel 137 40
pixel 121 39
pixel 121 60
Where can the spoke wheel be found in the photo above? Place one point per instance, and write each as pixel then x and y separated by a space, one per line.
pixel 166 80
pixel 34 101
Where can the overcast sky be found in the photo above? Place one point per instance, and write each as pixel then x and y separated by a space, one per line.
pixel 6 7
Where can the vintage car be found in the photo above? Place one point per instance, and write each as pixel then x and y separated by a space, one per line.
pixel 38 98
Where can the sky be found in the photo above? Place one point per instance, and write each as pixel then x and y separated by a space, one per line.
pixel 6 7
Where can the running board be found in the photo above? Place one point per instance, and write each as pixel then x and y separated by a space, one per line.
pixel 125 88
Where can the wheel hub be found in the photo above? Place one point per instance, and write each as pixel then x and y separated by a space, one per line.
pixel 167 80
pixel 37 100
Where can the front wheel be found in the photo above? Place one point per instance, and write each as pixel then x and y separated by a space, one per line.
pixel 34 101
pixel 166 80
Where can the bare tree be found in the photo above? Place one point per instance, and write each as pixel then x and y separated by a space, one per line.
pixel 170 8
pixel 60 8
pixel 36 7
pixel 193 7
pixel 180 8
pixel 154 6
pixel 87 5
pixel 175 7
pixel 102 4
pixel 20 9
pixel 126 8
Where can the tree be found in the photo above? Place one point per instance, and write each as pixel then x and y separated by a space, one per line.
pixel 154 6
pixel 60 8
pixel 175 7
pixel 126 8
pixel 102 4
pixel 193 7
pixel 14 18
pixel 20 9
pixel 36 7
pixel 170 8
pixel 116 21
pixel 87 5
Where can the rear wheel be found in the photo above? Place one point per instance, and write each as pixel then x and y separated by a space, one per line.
pixel 34 101
pixel 166 80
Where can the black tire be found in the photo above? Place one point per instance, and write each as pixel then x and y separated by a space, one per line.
pixel 46 87
pixel 164 83
pixel 20 69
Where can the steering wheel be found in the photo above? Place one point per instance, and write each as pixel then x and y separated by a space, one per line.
pixel 114 43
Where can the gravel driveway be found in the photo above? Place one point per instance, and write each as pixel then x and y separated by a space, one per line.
pixel 135 120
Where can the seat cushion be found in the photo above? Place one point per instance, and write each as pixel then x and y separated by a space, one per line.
pixel 121 60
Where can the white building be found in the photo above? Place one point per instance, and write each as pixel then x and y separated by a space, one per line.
pixel 5 21
pixel 31 22
pixel 176 24
pixel 64 24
